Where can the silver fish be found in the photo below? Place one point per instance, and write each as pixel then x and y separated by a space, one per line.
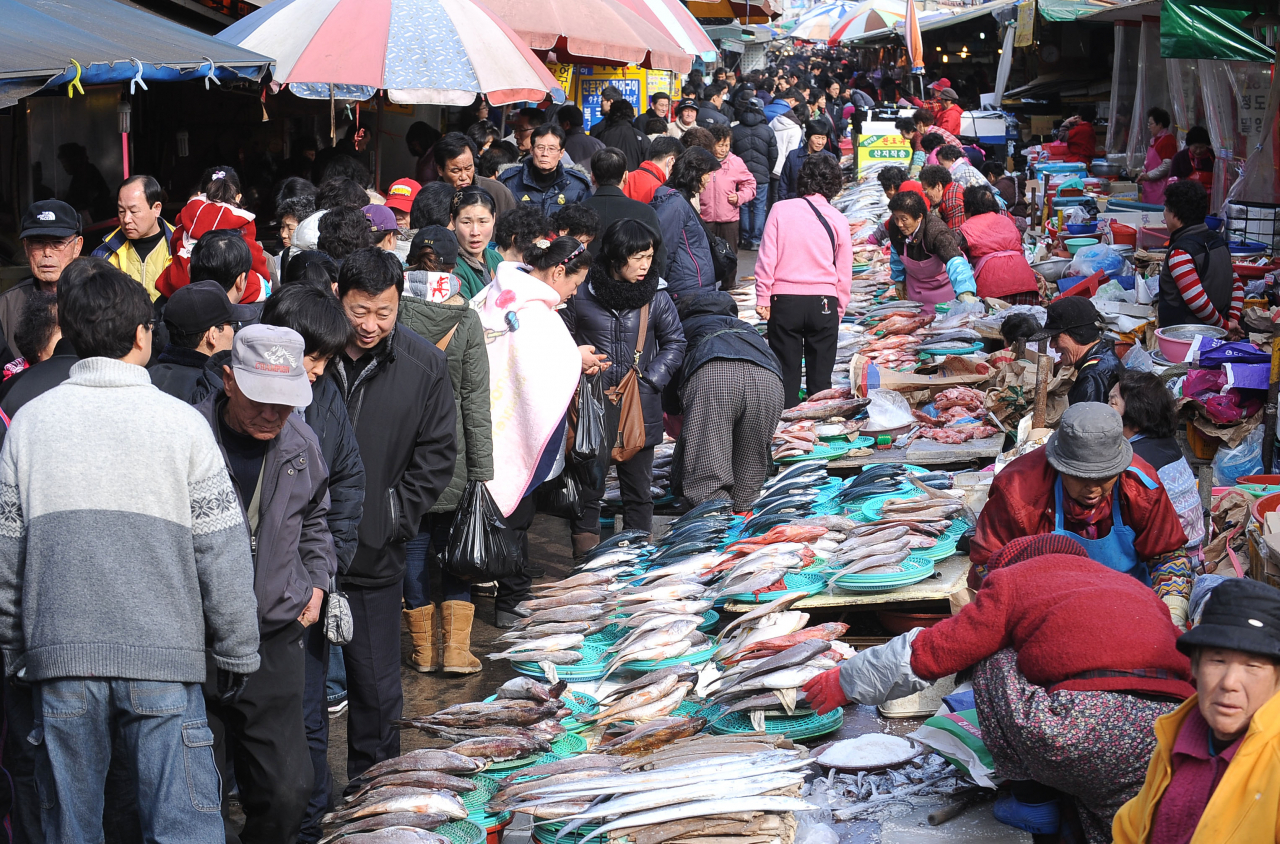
pixel 703 808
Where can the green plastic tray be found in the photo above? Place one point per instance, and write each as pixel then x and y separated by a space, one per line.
pixel 802 725
pixel 530 772
pixel 915 570
pixel 477 802
pixel 821 451
pixel 546 834
pixel 874 506
pixel 516 764
pixel 692 658
pixel 592 666
pixel 578 703
pixel 462 832
pixel 800 581
pixel 957 350
pixel 569 744
pixel 710 618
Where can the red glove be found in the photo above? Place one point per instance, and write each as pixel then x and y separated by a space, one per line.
pixel 824 693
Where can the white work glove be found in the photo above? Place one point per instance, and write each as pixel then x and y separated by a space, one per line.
pixel 967 297
pixel 1179 610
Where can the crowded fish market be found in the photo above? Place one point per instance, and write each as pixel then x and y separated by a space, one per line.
pixel 640 421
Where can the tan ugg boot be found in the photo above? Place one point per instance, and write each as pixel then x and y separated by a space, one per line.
pixel 584 542
pixel 426 645
pixel 455 619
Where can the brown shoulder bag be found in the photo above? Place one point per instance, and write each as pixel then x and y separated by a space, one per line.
pixel 627 397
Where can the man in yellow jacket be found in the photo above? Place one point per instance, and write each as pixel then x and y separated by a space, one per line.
pixel 140 247
pixel 1215 775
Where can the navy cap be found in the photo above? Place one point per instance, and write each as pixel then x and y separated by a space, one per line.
pixel 50 218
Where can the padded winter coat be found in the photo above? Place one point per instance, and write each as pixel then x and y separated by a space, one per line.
pixel 755 142
pixel 689 265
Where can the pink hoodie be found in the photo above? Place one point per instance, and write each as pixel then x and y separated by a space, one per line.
pixel 802 263
pixel 733 175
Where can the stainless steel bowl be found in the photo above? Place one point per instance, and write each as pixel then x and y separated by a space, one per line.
pixel 1052 268
pixel 1106 170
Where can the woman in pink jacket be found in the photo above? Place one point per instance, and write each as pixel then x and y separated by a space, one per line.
pixel 994 246
pixel 731 187
pixel 803 278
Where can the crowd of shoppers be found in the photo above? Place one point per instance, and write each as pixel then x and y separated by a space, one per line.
pixel 326 400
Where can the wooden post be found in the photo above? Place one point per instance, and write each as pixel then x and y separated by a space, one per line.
pixel 1044 367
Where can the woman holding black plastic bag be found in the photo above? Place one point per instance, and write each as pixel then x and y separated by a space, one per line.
pixel 434 307
pixel 624 314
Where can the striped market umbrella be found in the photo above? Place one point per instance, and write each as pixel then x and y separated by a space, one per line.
pixel 820 22
pixel 915 44
pixel 673 18
pixel 443 52
pixel 593 32
pixel 870 16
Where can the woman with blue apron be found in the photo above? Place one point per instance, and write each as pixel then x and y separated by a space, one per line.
pixel 1115 550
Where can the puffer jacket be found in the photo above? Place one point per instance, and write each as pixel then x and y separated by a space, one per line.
pixel 689 265
pixel 623 136
pixel 327 416
pixel 614 333
pixel 469 375
pixel 293 551
pixel 713 331
pixel 790 136
pixel 733 176
pixel 755 142
pixel 570 186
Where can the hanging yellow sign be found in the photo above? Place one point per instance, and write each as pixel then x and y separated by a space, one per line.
pixel 1026 23
pixel 564 76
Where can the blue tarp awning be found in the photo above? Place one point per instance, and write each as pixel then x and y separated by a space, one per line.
pixel 41 42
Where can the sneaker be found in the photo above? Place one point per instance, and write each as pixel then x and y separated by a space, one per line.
pixel 337 708
pixel 1036 818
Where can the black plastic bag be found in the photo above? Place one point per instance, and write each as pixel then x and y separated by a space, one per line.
pixel 724 259
pixel 561 496
pixel 481 547
pixel 593 437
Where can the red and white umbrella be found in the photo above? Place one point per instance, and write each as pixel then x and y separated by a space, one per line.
pixel 593 32
pixel 673 18
pixel 420 51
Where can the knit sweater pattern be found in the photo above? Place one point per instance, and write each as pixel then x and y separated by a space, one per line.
pixel 122 553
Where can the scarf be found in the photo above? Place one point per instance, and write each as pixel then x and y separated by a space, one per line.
pixel 619 295
pixel 533 371
pixel 1088 522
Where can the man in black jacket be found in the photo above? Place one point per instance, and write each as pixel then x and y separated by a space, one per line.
pixel 398 395
pixel 619 133
pixel 756 144
pixel 199 317
pixel 659 106
pixel 609 172
pixel 282 482
pixel 315 314
pixel 1071 326
pixel 709 112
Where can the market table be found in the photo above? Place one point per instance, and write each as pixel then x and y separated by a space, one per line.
pixel 948 583
pixel 923 452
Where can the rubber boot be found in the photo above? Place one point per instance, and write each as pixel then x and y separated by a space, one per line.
pixel 584 542
pixel 426 645
pixel 455 619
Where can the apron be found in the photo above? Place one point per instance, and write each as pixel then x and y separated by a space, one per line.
pixel 1115 550
pixel 1153 192
pixel 927 281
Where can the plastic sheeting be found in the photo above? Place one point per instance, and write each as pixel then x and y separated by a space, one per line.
pixel 1185 94
pixel 1237 97
pixel 1152 91
pixel 1260 181
pixel 1189 31
pixel 1124 84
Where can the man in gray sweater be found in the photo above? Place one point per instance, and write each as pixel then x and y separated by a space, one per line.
pixel 123 556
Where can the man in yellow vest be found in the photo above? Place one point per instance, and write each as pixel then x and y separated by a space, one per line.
pixel 140 246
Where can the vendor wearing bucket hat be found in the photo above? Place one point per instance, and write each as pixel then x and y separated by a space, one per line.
pixel 1086 483
pixel 1214 776
pixel 1071 327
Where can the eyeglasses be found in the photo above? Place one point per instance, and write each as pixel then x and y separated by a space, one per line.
pixel 40 244
pixel 551 149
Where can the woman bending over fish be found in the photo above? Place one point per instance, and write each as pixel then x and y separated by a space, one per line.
pixel 1072 663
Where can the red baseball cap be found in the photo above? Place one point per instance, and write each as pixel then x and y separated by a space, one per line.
pixel 401 193
pixel 940 84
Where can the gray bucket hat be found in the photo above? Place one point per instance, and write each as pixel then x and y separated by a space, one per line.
pixel 1089 442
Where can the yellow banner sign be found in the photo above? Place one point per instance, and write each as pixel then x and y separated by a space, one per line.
pixel 1026 23
pixel 873 149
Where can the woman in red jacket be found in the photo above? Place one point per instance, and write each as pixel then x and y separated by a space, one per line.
pixel 1072 663
pixel 994 246
pixel 1078 132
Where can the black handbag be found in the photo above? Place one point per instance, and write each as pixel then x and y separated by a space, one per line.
pixel 724 259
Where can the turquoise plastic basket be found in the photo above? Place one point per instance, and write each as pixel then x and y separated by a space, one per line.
pixel 462 832
pixel 802 725
pixel 915 569
pixel 592 666
pixel 822 451
pixel 807 582
pixel 694 658
pixel 477 802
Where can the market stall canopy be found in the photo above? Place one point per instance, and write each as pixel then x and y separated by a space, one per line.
pixel 419 51
pixel 1060 11
pixel 743 11
pixel 1196 31
pixel 592 32
pixel 42 43
pixel 675 19
pixel 935 20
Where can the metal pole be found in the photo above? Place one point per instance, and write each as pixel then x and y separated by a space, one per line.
pixel 333 120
